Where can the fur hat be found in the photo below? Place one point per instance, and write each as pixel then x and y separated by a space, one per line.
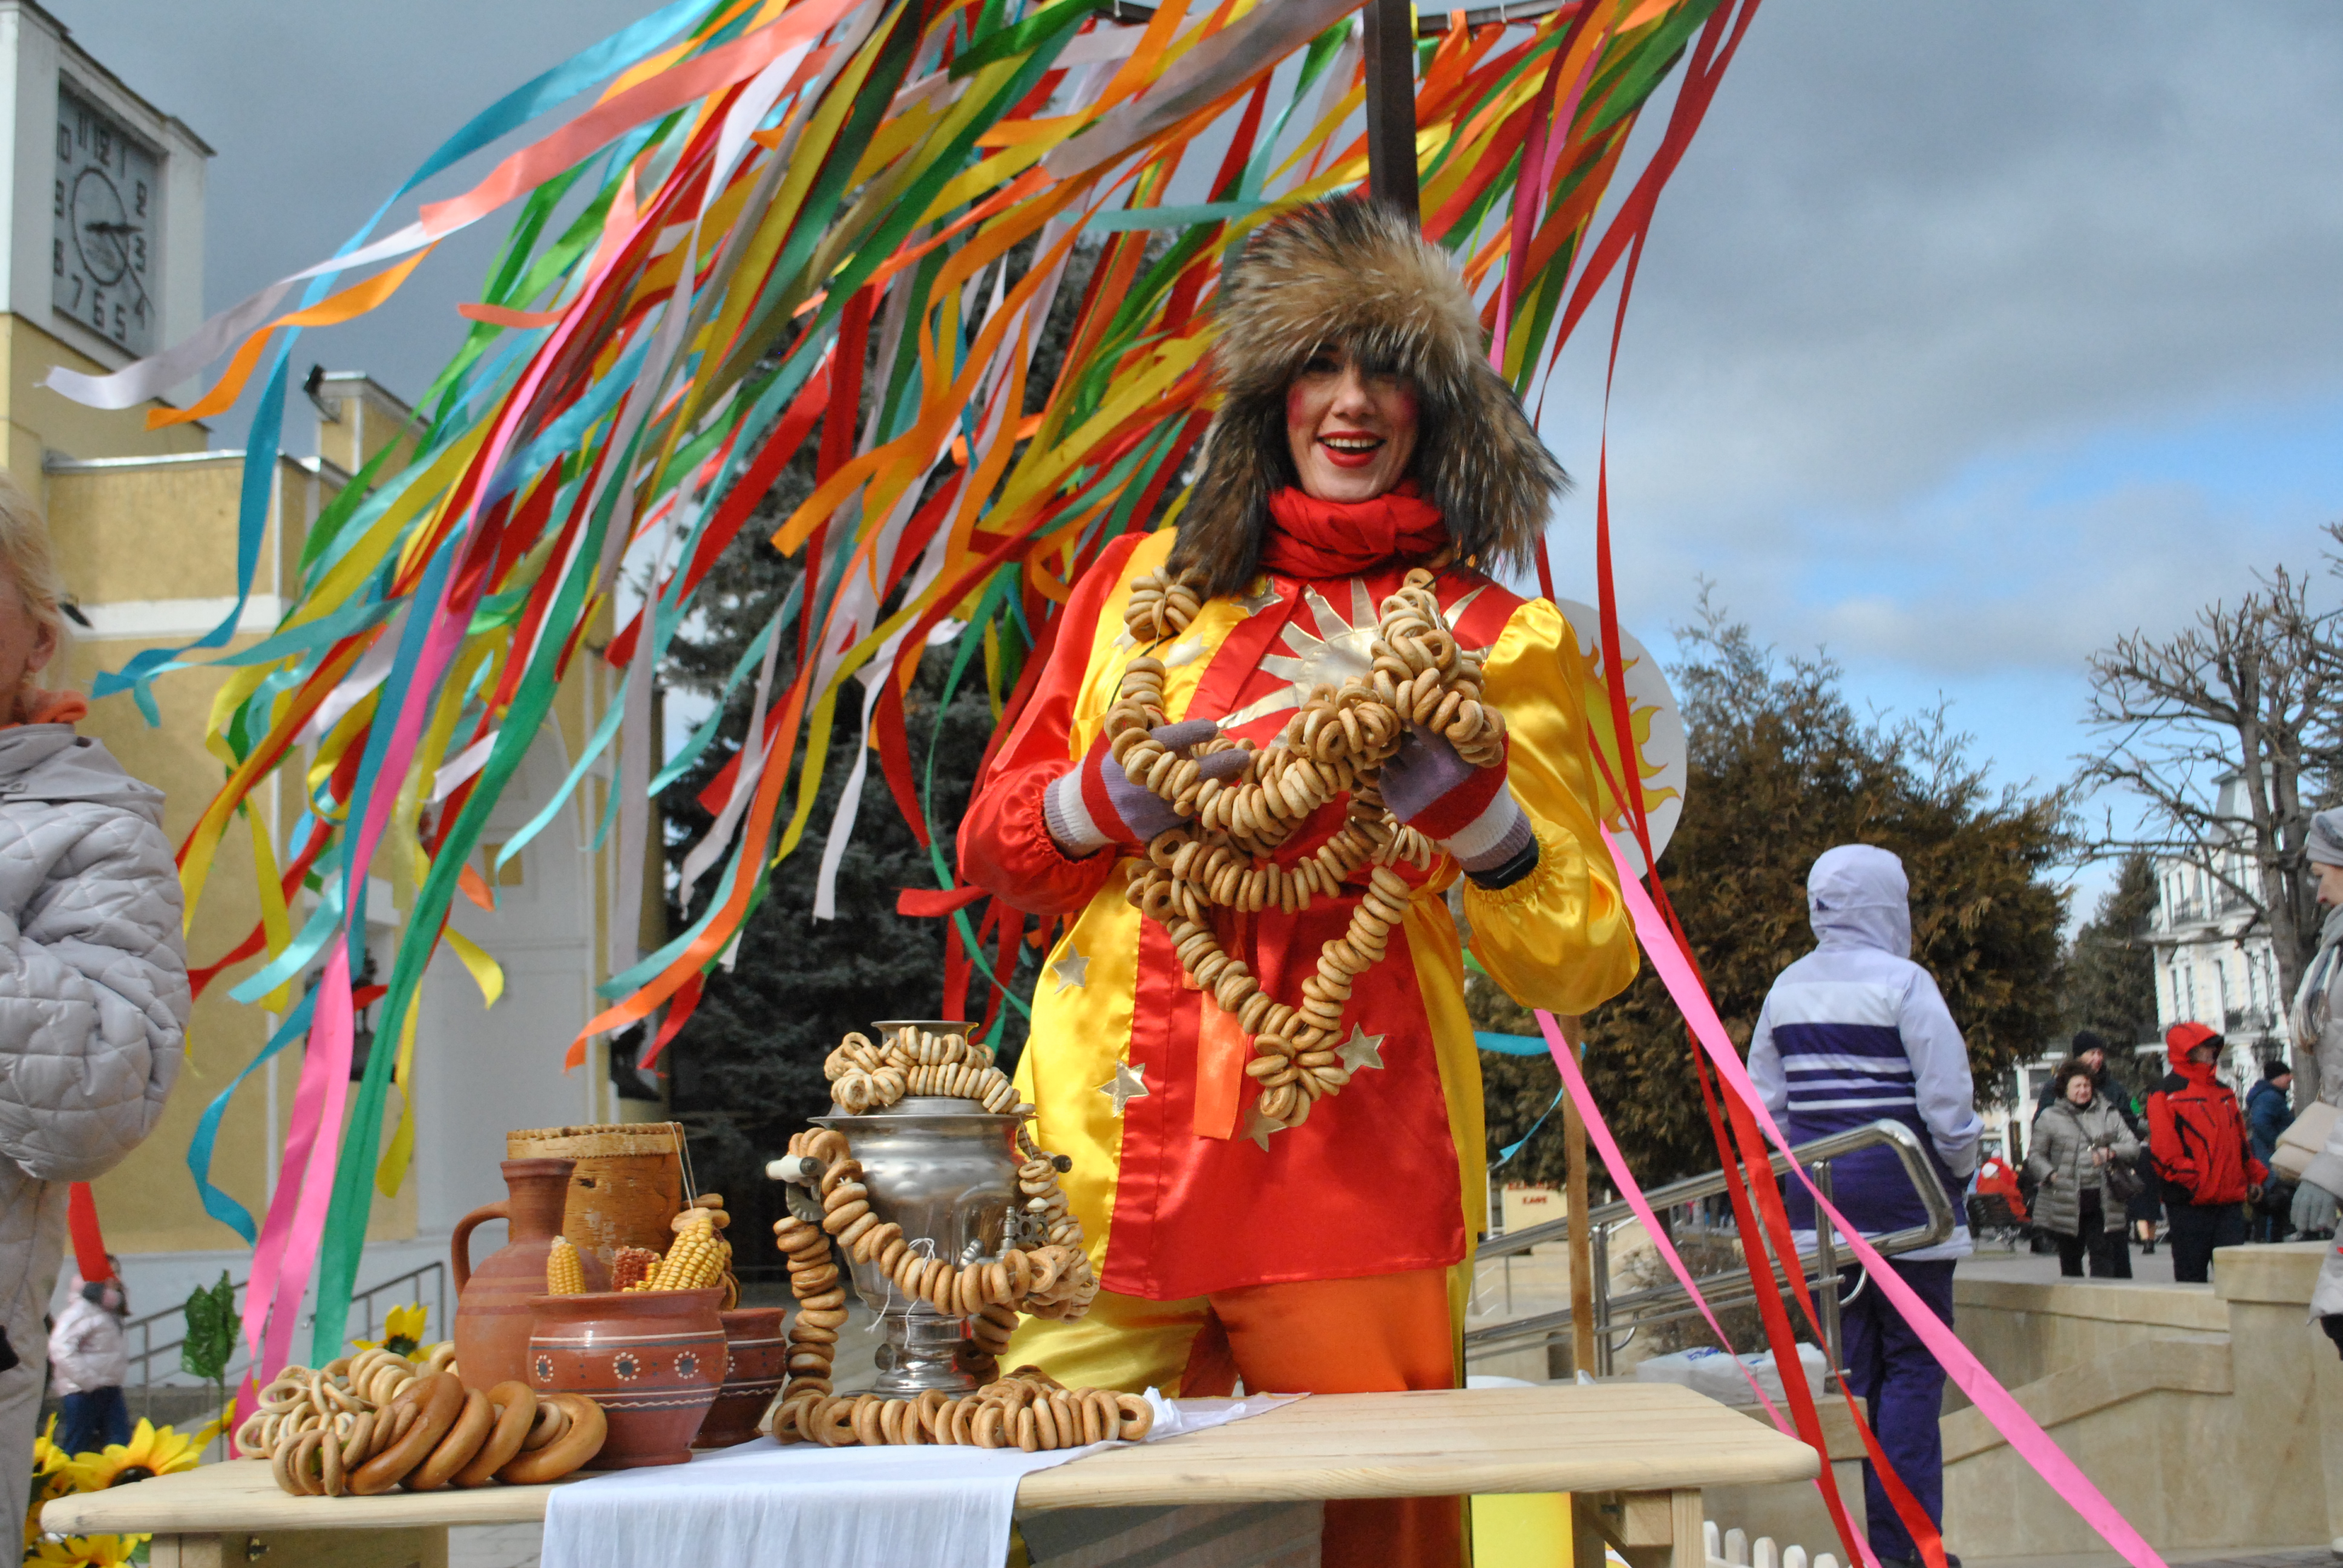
pixel 1357 273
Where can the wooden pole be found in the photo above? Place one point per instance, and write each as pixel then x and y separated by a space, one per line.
pixel 1391 105
pixel 1581 1238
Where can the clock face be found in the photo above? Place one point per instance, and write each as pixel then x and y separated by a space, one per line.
pixel 108 204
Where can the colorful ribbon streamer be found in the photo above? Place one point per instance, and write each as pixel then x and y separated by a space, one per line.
pixel 765 215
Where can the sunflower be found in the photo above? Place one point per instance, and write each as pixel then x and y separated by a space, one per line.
pixel 46 1488
pixel 50 1481
pixel 402 1331
pixel 152 1451
pixel 87 1551
pixel 47 1457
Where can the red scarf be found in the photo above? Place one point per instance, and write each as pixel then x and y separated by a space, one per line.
pixel 1315 539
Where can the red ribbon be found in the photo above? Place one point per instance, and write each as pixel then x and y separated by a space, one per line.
pixel 88 1241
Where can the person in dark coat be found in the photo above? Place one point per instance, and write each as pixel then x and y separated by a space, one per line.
pixel 2268 1113
pixel 2090 1049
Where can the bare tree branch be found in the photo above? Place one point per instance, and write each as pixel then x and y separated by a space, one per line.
pixel 2228 733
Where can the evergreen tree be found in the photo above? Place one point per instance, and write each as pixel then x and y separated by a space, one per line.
pixel 2111 973
pixel 746 1069
pixel 1782 768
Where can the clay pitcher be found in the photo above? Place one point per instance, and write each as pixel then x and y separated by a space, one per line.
pixel 492 1302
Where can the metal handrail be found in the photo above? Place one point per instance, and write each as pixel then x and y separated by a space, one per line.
pixel 1728 1288
pixel 144 1329
pixel 362 1310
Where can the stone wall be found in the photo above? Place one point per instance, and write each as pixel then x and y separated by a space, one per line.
pixel 2210 1415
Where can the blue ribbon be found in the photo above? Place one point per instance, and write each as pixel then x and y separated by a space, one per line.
pixel 1509 1044
pixel 217 1203
pixel 1514 1148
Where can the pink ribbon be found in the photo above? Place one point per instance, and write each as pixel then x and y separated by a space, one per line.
pixel 1607 1149
pixel 1968 1374
pixel 305 1183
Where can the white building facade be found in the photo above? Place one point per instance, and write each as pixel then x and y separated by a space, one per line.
pixel 2215 962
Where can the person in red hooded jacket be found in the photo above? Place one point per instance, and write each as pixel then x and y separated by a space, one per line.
pixel 2202 1151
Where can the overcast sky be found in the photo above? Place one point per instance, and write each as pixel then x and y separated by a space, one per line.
pixel 1970 336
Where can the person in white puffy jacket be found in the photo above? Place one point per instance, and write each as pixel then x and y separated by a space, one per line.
pixel 94 995
pixel 89 1357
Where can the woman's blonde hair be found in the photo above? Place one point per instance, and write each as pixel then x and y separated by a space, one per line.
pixel 25 554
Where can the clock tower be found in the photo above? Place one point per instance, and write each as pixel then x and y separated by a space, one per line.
pixel 101 240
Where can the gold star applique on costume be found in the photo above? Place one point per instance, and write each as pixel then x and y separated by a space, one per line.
pixel 1071 971
pixel 1361 1049
pixel 1258 1127
pixel 1130 1083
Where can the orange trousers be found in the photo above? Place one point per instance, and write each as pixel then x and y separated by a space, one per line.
pixel 1370 1335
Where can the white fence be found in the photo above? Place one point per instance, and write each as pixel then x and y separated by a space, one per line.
pixel 1734 1549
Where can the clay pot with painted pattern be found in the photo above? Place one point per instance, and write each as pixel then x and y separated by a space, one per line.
pixel 653 1360
pixel 756 1363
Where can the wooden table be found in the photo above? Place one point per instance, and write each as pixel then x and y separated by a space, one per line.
pixel 1633 1456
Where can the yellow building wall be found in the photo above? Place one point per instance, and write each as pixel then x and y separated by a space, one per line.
pixel 150 533
pixel 38 420
pixel 106 523
pixel 165 532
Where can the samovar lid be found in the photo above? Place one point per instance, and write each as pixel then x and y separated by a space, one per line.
pixel 922 1108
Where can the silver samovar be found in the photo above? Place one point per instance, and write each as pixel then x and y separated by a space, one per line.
pixel 945 1170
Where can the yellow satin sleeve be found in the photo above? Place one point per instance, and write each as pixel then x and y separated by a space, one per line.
pixel 1559 938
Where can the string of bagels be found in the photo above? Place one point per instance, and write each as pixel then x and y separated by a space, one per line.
pixel 1222 857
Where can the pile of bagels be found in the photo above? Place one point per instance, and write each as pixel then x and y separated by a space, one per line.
pixel 361 1425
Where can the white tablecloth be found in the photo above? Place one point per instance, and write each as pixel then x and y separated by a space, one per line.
pixel 764 1506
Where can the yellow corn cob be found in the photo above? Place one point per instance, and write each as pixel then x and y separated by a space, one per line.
pixel 697 1258
pixel 565 1275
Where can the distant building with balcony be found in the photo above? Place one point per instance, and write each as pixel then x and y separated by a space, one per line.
pixel 2215 962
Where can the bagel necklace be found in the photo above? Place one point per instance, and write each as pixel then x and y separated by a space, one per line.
pixel 1336 744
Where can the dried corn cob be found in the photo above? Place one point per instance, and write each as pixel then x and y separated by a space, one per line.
pixel 565 1274
pixel 630 1268
pixel 696 1259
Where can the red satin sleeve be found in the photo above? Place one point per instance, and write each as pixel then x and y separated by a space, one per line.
pixel 1005 845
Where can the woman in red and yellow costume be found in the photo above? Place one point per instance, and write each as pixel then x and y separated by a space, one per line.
pixel 1361 433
